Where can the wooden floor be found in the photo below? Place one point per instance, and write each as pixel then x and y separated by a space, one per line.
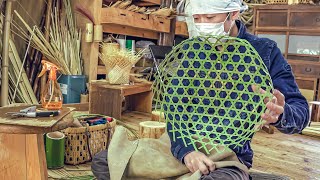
pixel 296 156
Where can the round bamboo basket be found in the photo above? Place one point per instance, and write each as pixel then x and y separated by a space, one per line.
pixel 82 139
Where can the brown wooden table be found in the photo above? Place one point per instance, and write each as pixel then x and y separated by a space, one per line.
pixel 22 153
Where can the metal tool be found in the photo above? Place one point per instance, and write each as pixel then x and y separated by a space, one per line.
pixel 32 112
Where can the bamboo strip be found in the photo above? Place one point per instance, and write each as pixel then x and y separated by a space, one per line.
pixel 15 59
pixel 5 56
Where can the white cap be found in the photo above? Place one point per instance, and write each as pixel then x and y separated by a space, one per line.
pixel 215 6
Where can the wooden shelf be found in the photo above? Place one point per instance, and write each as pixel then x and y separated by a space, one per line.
pixel 125 22
pixel 119 21
pixel 182 29
pixel 148 3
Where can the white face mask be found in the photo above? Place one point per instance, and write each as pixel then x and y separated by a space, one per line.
pixel 205 29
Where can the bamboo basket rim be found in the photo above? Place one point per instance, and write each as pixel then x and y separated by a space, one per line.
pixel 74 130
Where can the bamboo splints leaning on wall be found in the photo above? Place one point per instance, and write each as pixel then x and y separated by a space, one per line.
pixel 63 48
pixel 21 86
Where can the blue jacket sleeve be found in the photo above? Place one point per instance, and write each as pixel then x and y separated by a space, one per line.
pixel 296 112
pixel 178 149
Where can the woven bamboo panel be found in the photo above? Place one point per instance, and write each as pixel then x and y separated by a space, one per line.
pixel 205 89
pixel 77 150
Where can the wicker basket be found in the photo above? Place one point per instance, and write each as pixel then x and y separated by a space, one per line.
pixel 277 1
pixel 119 75
pixel 84 142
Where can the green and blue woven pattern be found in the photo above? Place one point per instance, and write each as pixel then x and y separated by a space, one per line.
pixel 205 92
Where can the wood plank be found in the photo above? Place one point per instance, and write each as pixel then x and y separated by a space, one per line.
pixel 295 156
pixel 157 2
pixel 182 29
pixel 129 31
pixel 35 157
pixel 133 118
pixel 139 21
pixel 141 102
pixel 306 30
pixel 136 89
pixel 111 98
pixel 44 122
pixel 12 156
pixel 300 7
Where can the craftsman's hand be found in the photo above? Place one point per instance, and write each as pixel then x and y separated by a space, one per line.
pixel 199 161
pixel 275 106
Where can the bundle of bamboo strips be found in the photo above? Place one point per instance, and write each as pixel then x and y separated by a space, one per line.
pixel 63 48
pixel 20 90
pixel 159 12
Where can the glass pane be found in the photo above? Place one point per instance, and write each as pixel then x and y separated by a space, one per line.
pixel 304 45
pixel 278 38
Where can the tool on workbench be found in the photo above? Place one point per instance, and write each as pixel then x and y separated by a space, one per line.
pixel 32 112
pixel 51 97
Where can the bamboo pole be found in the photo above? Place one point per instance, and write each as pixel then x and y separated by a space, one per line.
pixel 47 35
pixel 5 55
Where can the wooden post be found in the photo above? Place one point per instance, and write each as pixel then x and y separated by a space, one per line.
pixel 46 34
pixel 167 39
pixel 5 56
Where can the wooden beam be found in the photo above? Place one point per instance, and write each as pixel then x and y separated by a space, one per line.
pixel 142 22
pixel 90 51
pixel 167 39
pixel 129 31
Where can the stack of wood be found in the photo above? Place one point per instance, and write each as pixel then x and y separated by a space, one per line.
pixel 313 130
pixel 152 10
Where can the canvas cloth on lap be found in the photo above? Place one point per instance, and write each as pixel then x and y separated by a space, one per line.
pixel 152 159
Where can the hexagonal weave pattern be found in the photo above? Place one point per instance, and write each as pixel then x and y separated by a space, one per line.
pixel 205 92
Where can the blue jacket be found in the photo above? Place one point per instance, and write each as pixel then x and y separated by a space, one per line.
pixel 296 112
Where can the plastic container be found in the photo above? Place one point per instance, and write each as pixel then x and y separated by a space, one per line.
pixel 72 86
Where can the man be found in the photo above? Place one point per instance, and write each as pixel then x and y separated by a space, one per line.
pixel 288 110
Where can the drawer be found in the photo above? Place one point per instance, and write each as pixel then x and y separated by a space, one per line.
pixel 305 20
pixel 305 70
pixel 272 18
pixel 307 83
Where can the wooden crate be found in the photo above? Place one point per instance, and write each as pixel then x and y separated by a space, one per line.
pixel 108 99
pixel 134 20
